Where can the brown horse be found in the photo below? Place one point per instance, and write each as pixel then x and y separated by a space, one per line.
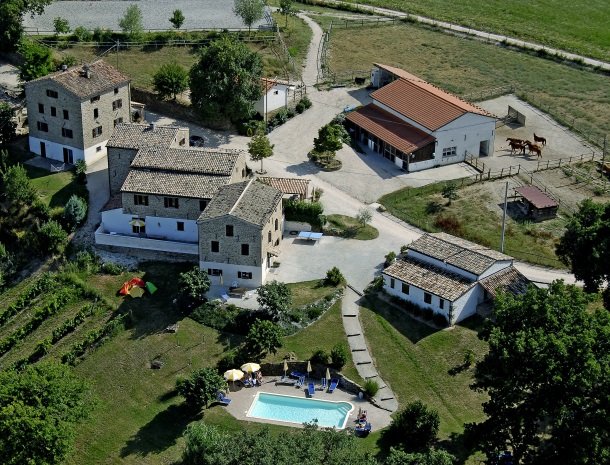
pixel 516 147
pixel 535 148
pixel 514 139
pixel 539 139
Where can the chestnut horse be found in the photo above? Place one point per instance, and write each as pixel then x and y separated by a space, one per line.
pixel 516 147
pixel 535 148
pixel 514 139
pixel 539 139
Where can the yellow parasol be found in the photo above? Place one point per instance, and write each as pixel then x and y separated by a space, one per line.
pixel 233 375
pixel 285 368
pixel 137 222
pixel 308 367
pixel 327 374
pixel 251 367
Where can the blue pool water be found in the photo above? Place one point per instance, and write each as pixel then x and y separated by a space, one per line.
pixel 300 410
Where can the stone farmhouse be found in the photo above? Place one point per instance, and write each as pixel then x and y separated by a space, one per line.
pixel 72 112
pixel 160 193
pixel 451 276
pixel 418 126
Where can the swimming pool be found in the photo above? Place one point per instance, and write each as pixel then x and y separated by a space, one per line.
pixel 293 409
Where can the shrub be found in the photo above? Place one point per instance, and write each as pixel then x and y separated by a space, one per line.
pixel 390 257
pixel 52 238
pixel 87 260
pixel 428 313
pixel 415 427
pixel 306 102
pixel 75 211
pixel 449 223
pixel 250 127
pixel 201 387
pixel 113 268
pixel 194 284
pixel 315 311
pixel 320 356
pixel 371 387
pixel 309 212
pixel 40 210
pixel 440 320
pixel 334 277
pixel 80 171
pixel 281 117
pixel 213 314
pixel 290 113
pixel 102 35
pixel 375 285
pixel 300 107
pixel 469 358
pixel 82 34
pixel 404 248
pixel 338 355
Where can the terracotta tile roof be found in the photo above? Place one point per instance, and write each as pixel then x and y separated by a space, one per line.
pixel 431 279
pixel 103 78
pixel 250 201
pixel 507 280
pixel 288 185
pixel 267 83
pixel 536 197
pixel 421 101
pixel 187 160
pixel 198 186
pixel 134 136
pixel 466 255
pixel 389 128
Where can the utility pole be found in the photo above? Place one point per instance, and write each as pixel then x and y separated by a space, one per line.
pixel 504 217
pixel 601 170
pixel 117 54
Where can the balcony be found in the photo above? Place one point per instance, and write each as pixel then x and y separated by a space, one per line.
pixel 145 243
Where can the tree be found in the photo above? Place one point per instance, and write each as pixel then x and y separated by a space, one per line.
pixel 585 245
pixel 287 9
pixel 260 148
pixel 7 125
pixel 364 216
pixel 39 411
pixel 194 284
pixel 52 238
pixel 75 211
pixel 250 11
pixel 339 355
pixel 415 427
pixel 275 299
pixel 36 60
pixel 449 192
pixel 430 457
pixel 61 25
pixel 170 80
pixel 226 81
pixel 131 23
pixel 11 20
pixel 17 186
pixel 177 19
pixel 201 387
pixel 330 138
pixel 547 374
pixel 334 277
pixel 263 337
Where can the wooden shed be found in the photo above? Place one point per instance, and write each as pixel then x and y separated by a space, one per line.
pixel 538 205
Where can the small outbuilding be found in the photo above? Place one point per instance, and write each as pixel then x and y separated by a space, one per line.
pixel 537 205
pixel 289 187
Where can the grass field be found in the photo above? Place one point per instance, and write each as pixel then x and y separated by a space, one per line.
pixel 466 66
pixel 532 242
pixel 578 26
pixel 347 226
pixel 55 189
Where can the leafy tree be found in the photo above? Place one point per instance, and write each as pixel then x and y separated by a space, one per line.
pixel 225 81
pixel 17 186
pixel 39 411
pixel 547 374
pixel 275 299
pixel 260 148
pixel 131 23
pixel 6 265
pixel 170 80
pixel 287 9
pixel 449 192
pixel 75 211
pixel 334 277
pixel 339 355
pixel 330 138
pixel 415 427
pixel 80 171
pixel 585 245
pixel 61 25
pixel 201 387
pixel 430 457
pixel 364 216
pixel 52 238
pixel 263 337
pixel 11 20
pixel 36 60
pixel 82 34
pixel 7 126
pixel 250 11
pixel 194 284
pixel 177 19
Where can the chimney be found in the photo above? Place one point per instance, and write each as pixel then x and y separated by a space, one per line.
pixel 86 71
pixel 64 67
pixel 153 126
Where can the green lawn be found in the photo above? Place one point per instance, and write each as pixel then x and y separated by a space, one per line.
pixel 55 189
pixel 347 226
pixel 307 292
pixel 579 26
pixel 572 96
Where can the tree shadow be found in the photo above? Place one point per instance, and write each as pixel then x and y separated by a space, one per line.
pixel 161 432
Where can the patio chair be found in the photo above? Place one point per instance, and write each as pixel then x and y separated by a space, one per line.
pixel 300 382
pixel 222 399
pixel 286 380
pixel 297 374
pixel 247 382
pixel 311 390
pixel 333 385
pixel 363 429
pixel 322 384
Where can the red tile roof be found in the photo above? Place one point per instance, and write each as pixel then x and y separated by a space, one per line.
pixel 536 197
pixel 390 128
pixel 288 185
pixel 421 101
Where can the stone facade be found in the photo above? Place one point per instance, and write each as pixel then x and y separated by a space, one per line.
pixel 188 208
pixel 119 161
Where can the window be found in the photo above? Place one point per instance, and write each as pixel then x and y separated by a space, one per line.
pixel 66 133
pixel 68 155
pixel 53 111
pixel 96 113
pixel 427 298
pixel 229 230
pixel 450 152
pixel 441 303
pixel 40 108
pixel 392 283
pixel 277 223
pixel 215 246
pixel 52 93
pixel 244 275
pixel 117 104
pixel 137 229
pixel 44 127
pixel 98 148
pixel 95 99
pixel 203 204
pixel 276 92
pixel 269 238
pixel 405 288
pixel 96 131
pixel 66 114
pixel 118 121
pixel 170 202
pixel 245 249
pixel 180 225
pixel 214 272
pixel 116 90
pixel 140 200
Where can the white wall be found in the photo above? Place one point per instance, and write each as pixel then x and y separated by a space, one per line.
pixel 442 265
pixel 54 150
pixel 156 227
pixel 134 242
pixel 229 274
pixel 422 165
pixel 466 305
pixel 92 155
pixel 465 133
pixel 499 265
pixel 272 101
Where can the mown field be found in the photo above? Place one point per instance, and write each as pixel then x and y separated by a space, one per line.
pixel 578 26
pixel 464 66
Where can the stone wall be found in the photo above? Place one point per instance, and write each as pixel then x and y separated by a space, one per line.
pixel 119 161
pixel 149 254
pixel 188 208
pixel 230 246
pixel 106 115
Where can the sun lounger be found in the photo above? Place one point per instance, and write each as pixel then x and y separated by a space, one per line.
pixel 322 384
pixel 311 390
pixel 333 385
pixel 223 400
pixel 296 374
pixel 247 382
pixel 300 382
pixel 286 380
pixel 363 429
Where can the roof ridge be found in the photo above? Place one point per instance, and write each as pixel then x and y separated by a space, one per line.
pixel 240 196
pixel 461 246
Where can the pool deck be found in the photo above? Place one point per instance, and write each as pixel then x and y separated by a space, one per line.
pixel 241 400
